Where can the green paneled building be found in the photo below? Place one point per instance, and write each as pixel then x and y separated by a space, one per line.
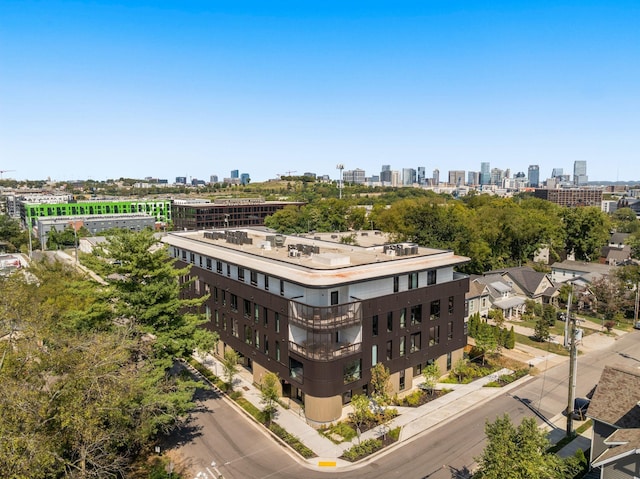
pixel 160 209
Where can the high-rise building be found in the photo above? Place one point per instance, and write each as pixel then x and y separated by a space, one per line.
pixel 496 177
pixel 385 174
pixel 422 175
pixel 456 177
pixel 580 173
pixel 353 176
pixel 245 178
pixel 408 176
pixel 556 172
pixel 235 174
pixel 534 176
pixel 436 177
pixel 181 180
pixel 485 173
pixel 473 178
pixel 213 179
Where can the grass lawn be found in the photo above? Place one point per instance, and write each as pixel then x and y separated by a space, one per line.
pixel 549 347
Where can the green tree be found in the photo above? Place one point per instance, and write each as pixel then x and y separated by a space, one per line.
pixel 541 330
pixel 460 368
pixel 511 339
pixel 269 395
pixel 587 231
pixel 381 384
pixel 360 412
pixel 431 373
pixel 486 340
pixel 517 452
pixel 230 367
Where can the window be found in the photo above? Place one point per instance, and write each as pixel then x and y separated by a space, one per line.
pixel 234 302
pixel 224 322
pixel 389 321
pixel 396 284
pixel 219 267
pixel 281 288
pixel 256 313
pixel 413 280
pixel 266 317
pixel 184 255
pixel 209 262
pixel 374 355
pixel 234 328
pixel 451 303
pixel 215 294
pixel 374 325
pixel 389 349
pixel 403 318
pixel 334 297
pixel 277 319
pixel 484 303
pixel 450 330
pixel 266 282
pixel 207 312
pixel 256 340
pixel 435 310
pixel 402 384
pixel 416 314
pixel 431 277
pixel 217 318
pixel 296 370
pixel 352 371
pixel 449 361
pixel 266 345
pixel 277 351
pixel 248 334
pixel 240 274
pixel 192 258
pixel 402 346
pixel 415 342
pixel 417 370
pixel 434 335
pixel 254 278
pixel 228 270
pixel 246 309
pixel 224 298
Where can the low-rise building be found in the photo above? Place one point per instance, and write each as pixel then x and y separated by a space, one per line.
pixel 321 314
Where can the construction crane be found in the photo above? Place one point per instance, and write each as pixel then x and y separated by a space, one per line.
pixel 4 171
pixel 289 172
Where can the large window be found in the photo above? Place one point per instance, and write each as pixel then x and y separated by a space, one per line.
pixel 234 329
pixel 389 350
pixel 450 330
pixel 415 342
pixel 413 280
pixel 352 371
pixel 277 321
pixel 296 370
pixel 396 284
pixel 248 334
pixel 240 274
pixel 219 267
pixel 374 325
pixel 234 302
pixel 247 308
pixel 432 277
pixel 277 351
pixel 402 346
pixel 434 335
pixel 416 314
pixel 434 310
pixel 451 304
pixel 389 321
pixel 374 355
pixel 334 297
pixel 403 318
pixel 254 278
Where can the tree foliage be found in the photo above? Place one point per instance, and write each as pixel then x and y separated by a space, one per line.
pixel 380 383
pixel 517 452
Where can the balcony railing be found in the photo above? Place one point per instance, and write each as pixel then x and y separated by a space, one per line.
pixel 325 352
pixel 319 318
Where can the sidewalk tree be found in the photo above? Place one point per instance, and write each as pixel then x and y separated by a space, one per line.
pixel 380 383
pixel 486 340
pixel 361 412
pixel 460 368
pixel 269 395
pixel 517 452
pixel 230 367
pixel 431 373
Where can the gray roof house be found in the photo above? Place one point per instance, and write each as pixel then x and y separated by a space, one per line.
pixel 501 294
pixel 564 271
pixel 615 411
pixel 528 282
pixel 477 299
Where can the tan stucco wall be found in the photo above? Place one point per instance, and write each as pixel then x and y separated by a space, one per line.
pixel 322 410
pixel 260 372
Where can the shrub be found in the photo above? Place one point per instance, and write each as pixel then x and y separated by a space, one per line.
pixel 395 433
pixel 363 449
pixel 292 441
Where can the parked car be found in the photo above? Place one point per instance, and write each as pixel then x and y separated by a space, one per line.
pixel 636 325
pixel 580 407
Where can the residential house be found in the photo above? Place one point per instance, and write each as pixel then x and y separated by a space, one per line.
pixel 532 284
pixel 567 270
pixel 616 253
pixel 477 300
pixel 502 295
pixel 615 411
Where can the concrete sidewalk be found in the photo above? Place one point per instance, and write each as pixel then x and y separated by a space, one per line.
pixel 413 421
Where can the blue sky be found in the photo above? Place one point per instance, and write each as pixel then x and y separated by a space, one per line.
pixel 105 89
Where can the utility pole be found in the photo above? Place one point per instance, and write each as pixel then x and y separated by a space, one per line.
pixel 570 328
pixel 340 167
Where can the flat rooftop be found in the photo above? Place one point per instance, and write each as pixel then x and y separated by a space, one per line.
pixel 312 255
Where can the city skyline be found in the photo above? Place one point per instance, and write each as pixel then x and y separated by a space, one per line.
pixel 109 89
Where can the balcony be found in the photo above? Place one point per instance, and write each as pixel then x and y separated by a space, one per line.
pixel 324 351
pixel 318 318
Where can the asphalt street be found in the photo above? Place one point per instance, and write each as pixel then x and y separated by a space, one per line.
pixel 219 440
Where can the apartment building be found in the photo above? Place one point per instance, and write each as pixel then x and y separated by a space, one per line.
pixel 320 314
